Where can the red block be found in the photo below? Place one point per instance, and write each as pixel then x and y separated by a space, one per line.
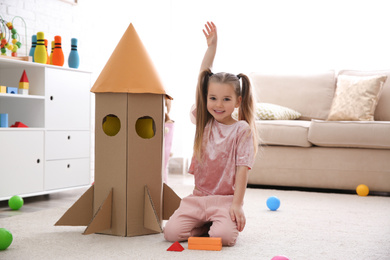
pixel 24 77
pixel 176 247
pixel 18 124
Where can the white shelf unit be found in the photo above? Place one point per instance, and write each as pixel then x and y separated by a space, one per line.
pixel 53 153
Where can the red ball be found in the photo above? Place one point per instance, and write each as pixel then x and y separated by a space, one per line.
pixel 14 54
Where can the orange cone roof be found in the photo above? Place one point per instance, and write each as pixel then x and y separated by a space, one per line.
pixel 129 69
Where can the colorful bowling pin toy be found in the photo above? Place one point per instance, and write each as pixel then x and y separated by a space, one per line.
pixel 33 45
pixel 47 53
pixel 74 59
pixel 40 54
pixel 51 54
pixel 58 55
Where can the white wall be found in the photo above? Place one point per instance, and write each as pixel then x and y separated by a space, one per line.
pixel 253 35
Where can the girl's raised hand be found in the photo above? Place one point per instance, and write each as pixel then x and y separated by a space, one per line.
pixel 211 33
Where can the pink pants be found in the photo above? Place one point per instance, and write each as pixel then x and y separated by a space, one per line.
pixel 196 213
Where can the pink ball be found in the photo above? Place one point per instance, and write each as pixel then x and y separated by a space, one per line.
pixel 280 257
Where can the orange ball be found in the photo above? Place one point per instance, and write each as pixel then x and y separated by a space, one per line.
pixel 362 190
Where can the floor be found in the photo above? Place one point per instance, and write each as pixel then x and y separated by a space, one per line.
pixel 65 198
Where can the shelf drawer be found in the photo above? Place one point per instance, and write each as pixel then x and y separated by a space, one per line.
pixel 67 144
pixel 67 173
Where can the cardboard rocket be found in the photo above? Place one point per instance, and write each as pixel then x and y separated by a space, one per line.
pixel 128 197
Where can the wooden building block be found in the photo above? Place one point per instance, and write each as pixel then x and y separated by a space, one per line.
pixel 23 91
pixel 3 120
pixel 205 243
pixel 3 89
pixel 12 90
pixel 24 85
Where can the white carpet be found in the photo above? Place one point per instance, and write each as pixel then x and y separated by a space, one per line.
pixel 307 226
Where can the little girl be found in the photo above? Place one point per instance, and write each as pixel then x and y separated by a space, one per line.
pixel 224 151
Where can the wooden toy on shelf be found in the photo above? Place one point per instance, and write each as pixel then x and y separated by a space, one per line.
pixel 3 120
pixel 33 46
pixel 3 89
pixel 51 53
pixel 10 39
pixel 74 59
pixel 12 90
pixel 23 84
pixel 40 54
pixel 58 55
pixel 18 124
pixel 47 53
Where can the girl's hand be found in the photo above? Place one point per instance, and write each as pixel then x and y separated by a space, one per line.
pixel 210 33
pixel 237 215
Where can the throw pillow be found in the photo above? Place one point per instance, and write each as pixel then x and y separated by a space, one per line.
pixel 356 98
pixel 266 111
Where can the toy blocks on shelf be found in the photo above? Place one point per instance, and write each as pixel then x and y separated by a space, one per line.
pixel 12 90
pixel 205 243
pixel 24 85
pixel 18 124
pixel 3 89
pixel 3 120
pixel 23 91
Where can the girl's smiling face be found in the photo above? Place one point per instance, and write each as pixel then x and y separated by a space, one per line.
pixel 221 102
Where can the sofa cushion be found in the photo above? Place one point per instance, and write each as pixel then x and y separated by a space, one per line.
pixel 284 132
pixel 382 111
pixel 360 134
pixel 356 97
pixel 265 111
pixel 310 94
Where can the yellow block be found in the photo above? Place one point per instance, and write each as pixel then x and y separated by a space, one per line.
pixel 24 85
pixel 3 89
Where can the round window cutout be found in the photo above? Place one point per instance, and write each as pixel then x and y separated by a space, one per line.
pixel 111 125
pixel 145 127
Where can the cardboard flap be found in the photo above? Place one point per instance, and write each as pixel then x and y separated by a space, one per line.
pixel 151 220
pixel 80 213
pixel 171 201
pixel 102 219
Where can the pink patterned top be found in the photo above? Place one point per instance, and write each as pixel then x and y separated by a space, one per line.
pixel 224 148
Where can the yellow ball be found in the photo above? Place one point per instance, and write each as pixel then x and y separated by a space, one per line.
pixel 362 190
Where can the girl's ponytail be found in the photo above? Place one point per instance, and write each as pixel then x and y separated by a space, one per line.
pixel 247 107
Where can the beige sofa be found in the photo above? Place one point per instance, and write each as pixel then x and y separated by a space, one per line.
pixel 312 151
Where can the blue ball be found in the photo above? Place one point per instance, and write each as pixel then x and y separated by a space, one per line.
pixel 273 203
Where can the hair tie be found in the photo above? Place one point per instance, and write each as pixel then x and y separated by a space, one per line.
pixel 238 76
pixel 211 74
